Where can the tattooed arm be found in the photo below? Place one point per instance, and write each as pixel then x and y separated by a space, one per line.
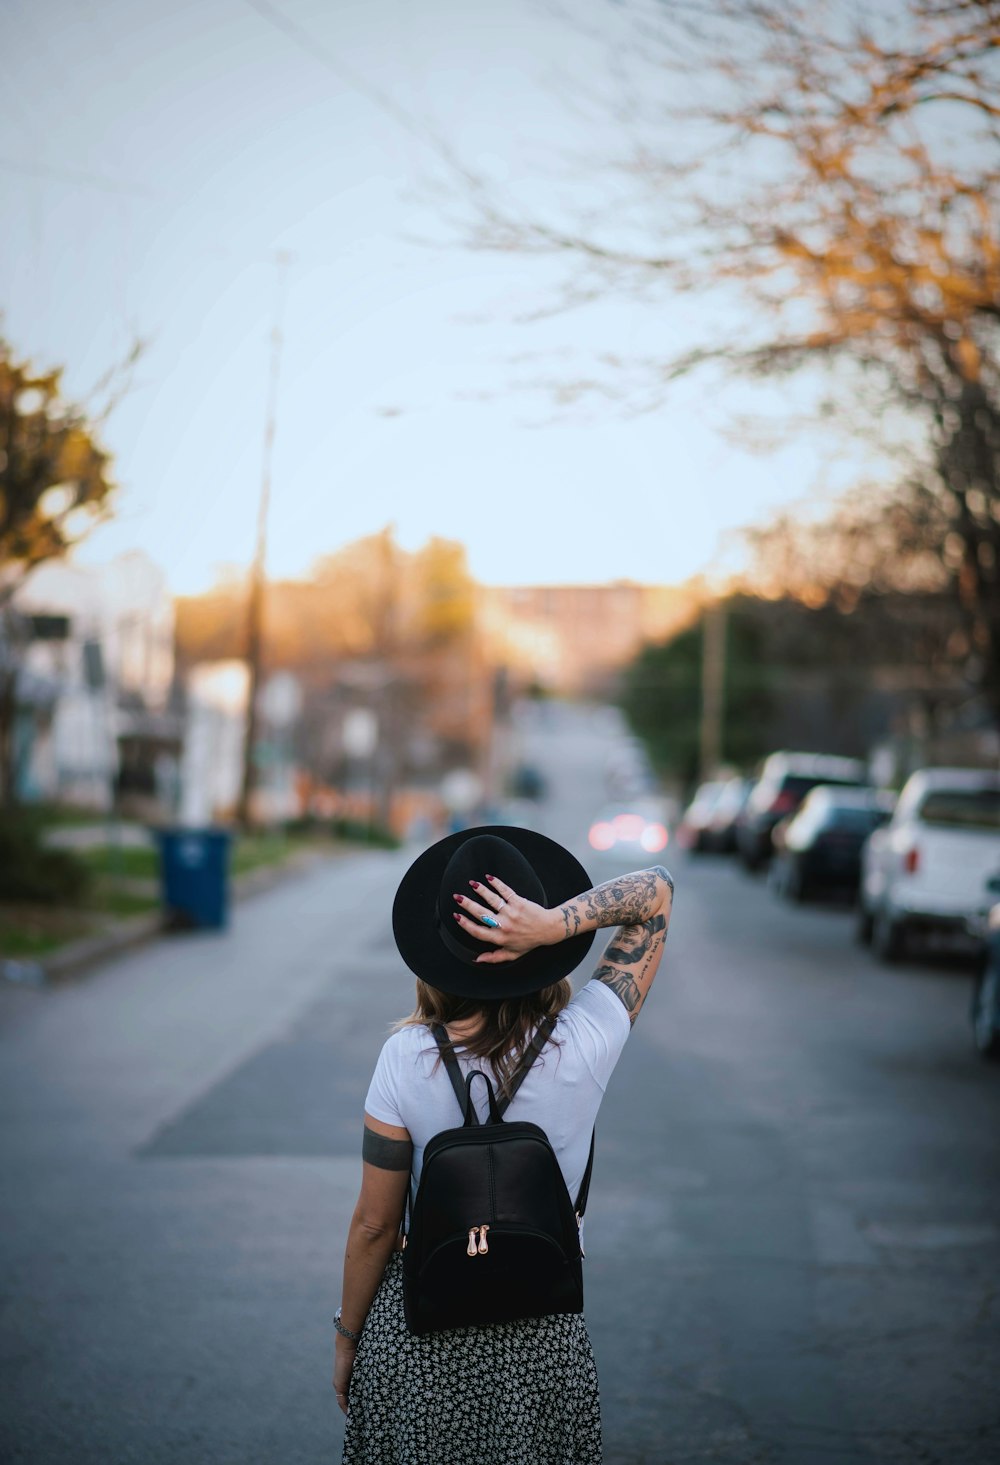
pixel 627 900
pixel 639 904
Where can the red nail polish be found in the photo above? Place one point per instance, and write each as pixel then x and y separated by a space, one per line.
pixel 489 877
pixel 456 915
pixel 459 897
pixel 474 884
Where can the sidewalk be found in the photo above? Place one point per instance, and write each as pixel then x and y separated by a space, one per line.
pixel 84 954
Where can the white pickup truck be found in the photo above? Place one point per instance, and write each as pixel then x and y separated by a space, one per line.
pixel 929 868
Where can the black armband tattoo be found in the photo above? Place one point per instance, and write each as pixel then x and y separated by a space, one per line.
pixel 385 1153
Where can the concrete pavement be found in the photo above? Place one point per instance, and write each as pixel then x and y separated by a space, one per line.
pixel 793 1241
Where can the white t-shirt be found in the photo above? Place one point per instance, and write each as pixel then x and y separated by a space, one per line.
pixel 561 1093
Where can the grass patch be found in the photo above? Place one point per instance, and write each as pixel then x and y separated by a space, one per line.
pixel 52 816
pixel 114 902
pixel 124 880
pixel 134 862
pixel 38 930
pixel 251 851
pixel 247 852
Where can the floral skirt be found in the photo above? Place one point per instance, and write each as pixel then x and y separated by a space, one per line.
pixel 521 1393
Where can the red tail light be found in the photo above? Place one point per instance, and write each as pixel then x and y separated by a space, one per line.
pixel 911 861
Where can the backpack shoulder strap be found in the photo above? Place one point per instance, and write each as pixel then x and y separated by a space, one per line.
pixel 541 1036
pixel 453 1070
pixel 581 1200
pixel 462 1087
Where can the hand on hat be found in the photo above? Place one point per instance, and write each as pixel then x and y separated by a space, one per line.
pixel 521 925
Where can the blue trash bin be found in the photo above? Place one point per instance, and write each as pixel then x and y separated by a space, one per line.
pixel 194 877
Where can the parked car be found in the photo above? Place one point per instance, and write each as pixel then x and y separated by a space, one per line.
pixel 784 781
pixel 720 831
pixel 691 832
pixel 929 868
pixel 985 1007
pixel 819 847
pixel 526 782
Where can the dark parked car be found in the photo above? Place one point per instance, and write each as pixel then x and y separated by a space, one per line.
pixel 985 1009
pixel 819 847
pixel 784 781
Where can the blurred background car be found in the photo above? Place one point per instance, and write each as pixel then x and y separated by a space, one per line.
pixel 720 832
pixel 691 831
pixel 709 821
pixel 630 833
pixel 928 871
pixel 784 781
pixel 527 782
pixel 818 849
pixel 984 1010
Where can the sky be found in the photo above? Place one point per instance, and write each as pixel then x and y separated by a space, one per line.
pixel 154 161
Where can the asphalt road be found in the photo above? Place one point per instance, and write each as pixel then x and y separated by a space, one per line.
pixel 793 1237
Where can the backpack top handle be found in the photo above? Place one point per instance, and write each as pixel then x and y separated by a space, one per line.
pixel 462 1088
pixel 463 1091
pixel 469 1108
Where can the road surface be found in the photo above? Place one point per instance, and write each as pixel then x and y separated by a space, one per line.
pixel 793 1235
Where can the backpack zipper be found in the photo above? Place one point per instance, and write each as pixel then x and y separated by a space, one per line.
pixel 483 1246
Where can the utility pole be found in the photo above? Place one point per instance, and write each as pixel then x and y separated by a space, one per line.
pixel 713 687
pixel 258 571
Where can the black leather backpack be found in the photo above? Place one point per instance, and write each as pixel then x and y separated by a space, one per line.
pixel 493 1235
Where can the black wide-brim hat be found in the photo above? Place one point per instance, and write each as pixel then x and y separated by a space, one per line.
pixel 433 944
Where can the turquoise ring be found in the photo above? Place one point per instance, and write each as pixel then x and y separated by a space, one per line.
pixel 489 921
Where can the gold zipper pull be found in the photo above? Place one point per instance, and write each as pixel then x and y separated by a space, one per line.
pixel 483 1243
pixel 470 1250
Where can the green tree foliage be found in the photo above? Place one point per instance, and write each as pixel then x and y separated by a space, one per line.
pixel 662 697
pixel 833 676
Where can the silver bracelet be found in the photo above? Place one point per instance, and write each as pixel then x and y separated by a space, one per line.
pixel 345 1332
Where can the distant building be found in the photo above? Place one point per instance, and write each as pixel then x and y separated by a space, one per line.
pixel 94 683
pixel 575 639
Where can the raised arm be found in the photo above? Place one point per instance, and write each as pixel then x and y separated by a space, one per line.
pixel 639 904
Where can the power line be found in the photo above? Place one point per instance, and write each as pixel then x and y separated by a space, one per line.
pixel 74 176
pixel 305 41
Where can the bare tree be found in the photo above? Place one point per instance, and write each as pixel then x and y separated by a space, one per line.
pixel 830 176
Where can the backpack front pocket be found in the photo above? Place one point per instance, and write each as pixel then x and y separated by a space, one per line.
pixel 522 1273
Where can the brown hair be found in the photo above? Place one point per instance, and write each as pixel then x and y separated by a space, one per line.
pixel 505 1026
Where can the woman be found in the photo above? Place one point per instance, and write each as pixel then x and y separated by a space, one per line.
pixel 491 921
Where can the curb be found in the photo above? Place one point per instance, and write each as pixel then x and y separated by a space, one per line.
pixel 78 957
